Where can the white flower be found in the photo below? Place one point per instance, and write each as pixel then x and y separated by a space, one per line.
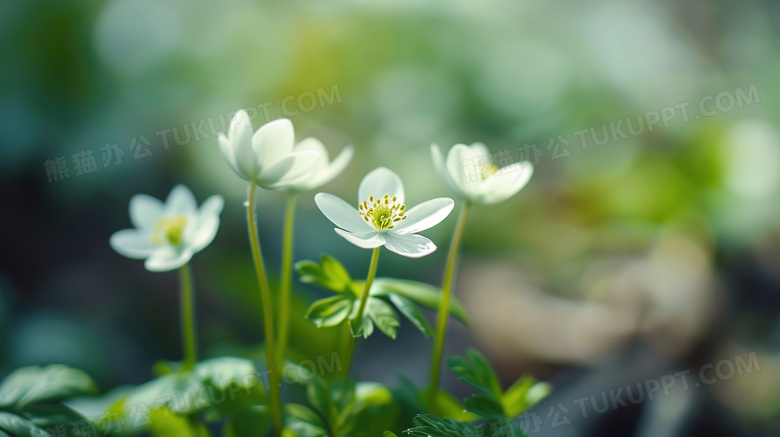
pixel 167 235
pixel 322 172
pixel 469 173
pixel 382 218
pixel 265 156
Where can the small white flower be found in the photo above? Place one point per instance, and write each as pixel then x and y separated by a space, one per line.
pixel 469 173
pixel 167 235
pixel 322 172
pixel 382 218
pixel 265 156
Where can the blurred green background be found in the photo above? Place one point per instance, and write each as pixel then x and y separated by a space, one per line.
pixel 651 249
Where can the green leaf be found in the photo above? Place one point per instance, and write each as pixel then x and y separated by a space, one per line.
pixel 254 421
pixel 384 316
pixel 304 422
pixel 485 406
pixel 389 434
pixel 164 424
pixel 428 425
pixel 46 415
pixel 419 292
pixel 330 274
pixel 524 394
pixel 30 385
pixel 412 312
pixel 20 427
pixel 330 311
pixel 373 411
pixel 475 371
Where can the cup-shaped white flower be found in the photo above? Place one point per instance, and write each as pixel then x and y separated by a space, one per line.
pixel 266 156
pixel 168 234
pixel 382 218
pixel 470 174
pixel 321 172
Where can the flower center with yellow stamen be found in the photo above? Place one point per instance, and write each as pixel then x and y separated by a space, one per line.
pixel 169 229
pixel 487 171
pixel 382 213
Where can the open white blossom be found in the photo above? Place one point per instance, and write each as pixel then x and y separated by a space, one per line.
pixel 266 156
pixel 168 234
pixel 382 218
pixel 323 170
pixel 470 174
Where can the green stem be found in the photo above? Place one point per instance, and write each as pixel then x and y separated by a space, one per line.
pixel 444 308
pixel 286 276
pixel 350 350
pixel 187 308
pixel 265 295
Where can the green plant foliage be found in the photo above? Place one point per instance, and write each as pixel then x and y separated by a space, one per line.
pixel 216 389
pixel 493 402
pixel 343 407
pixel 387 298
pixel 30 399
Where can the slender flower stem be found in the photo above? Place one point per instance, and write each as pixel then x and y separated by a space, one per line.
pixel 265 295
pixel 187 308
pixel 286 276
pixel 350 349
pixel 444 308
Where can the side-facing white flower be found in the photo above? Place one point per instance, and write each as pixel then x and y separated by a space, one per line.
pixel 469 173
pixel 382 218
pixel 265 156
pixel 167 235
pixel 323 170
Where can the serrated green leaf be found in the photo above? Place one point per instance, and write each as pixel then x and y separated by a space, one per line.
pixel 46 415
pixel 485 406
pixel 384 316
pixel 304 422
pixel 20 427
pixel 424 294
pixel 524 394
pixel 428 425
pixel 475 371
pixel 30 385
pixel 164 424
pixel 330 311
pixel 335 271
pixel 412 312
pixel 330 274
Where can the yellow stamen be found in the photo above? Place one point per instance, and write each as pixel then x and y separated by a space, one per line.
pixel 487 171
pixel 382 213
pixel 169 229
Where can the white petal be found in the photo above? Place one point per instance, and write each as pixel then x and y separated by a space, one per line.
pixel 240 137
pixel 411 245
pixel 212 207
pixel 364 240
pixel 379 182
pixel 227 150
pixel 480 150
pixel 330 171
pixel 507 185
pixel 145 211
pixel 459 163
pixel 425 216
pixel 273 141
pixel 204 231
pixel 180 202
pixel 167 258
pixel 341 213
pixel 311 144
pixel 441 168
pixel 133 243
pixel 204 234
pixel 292 168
